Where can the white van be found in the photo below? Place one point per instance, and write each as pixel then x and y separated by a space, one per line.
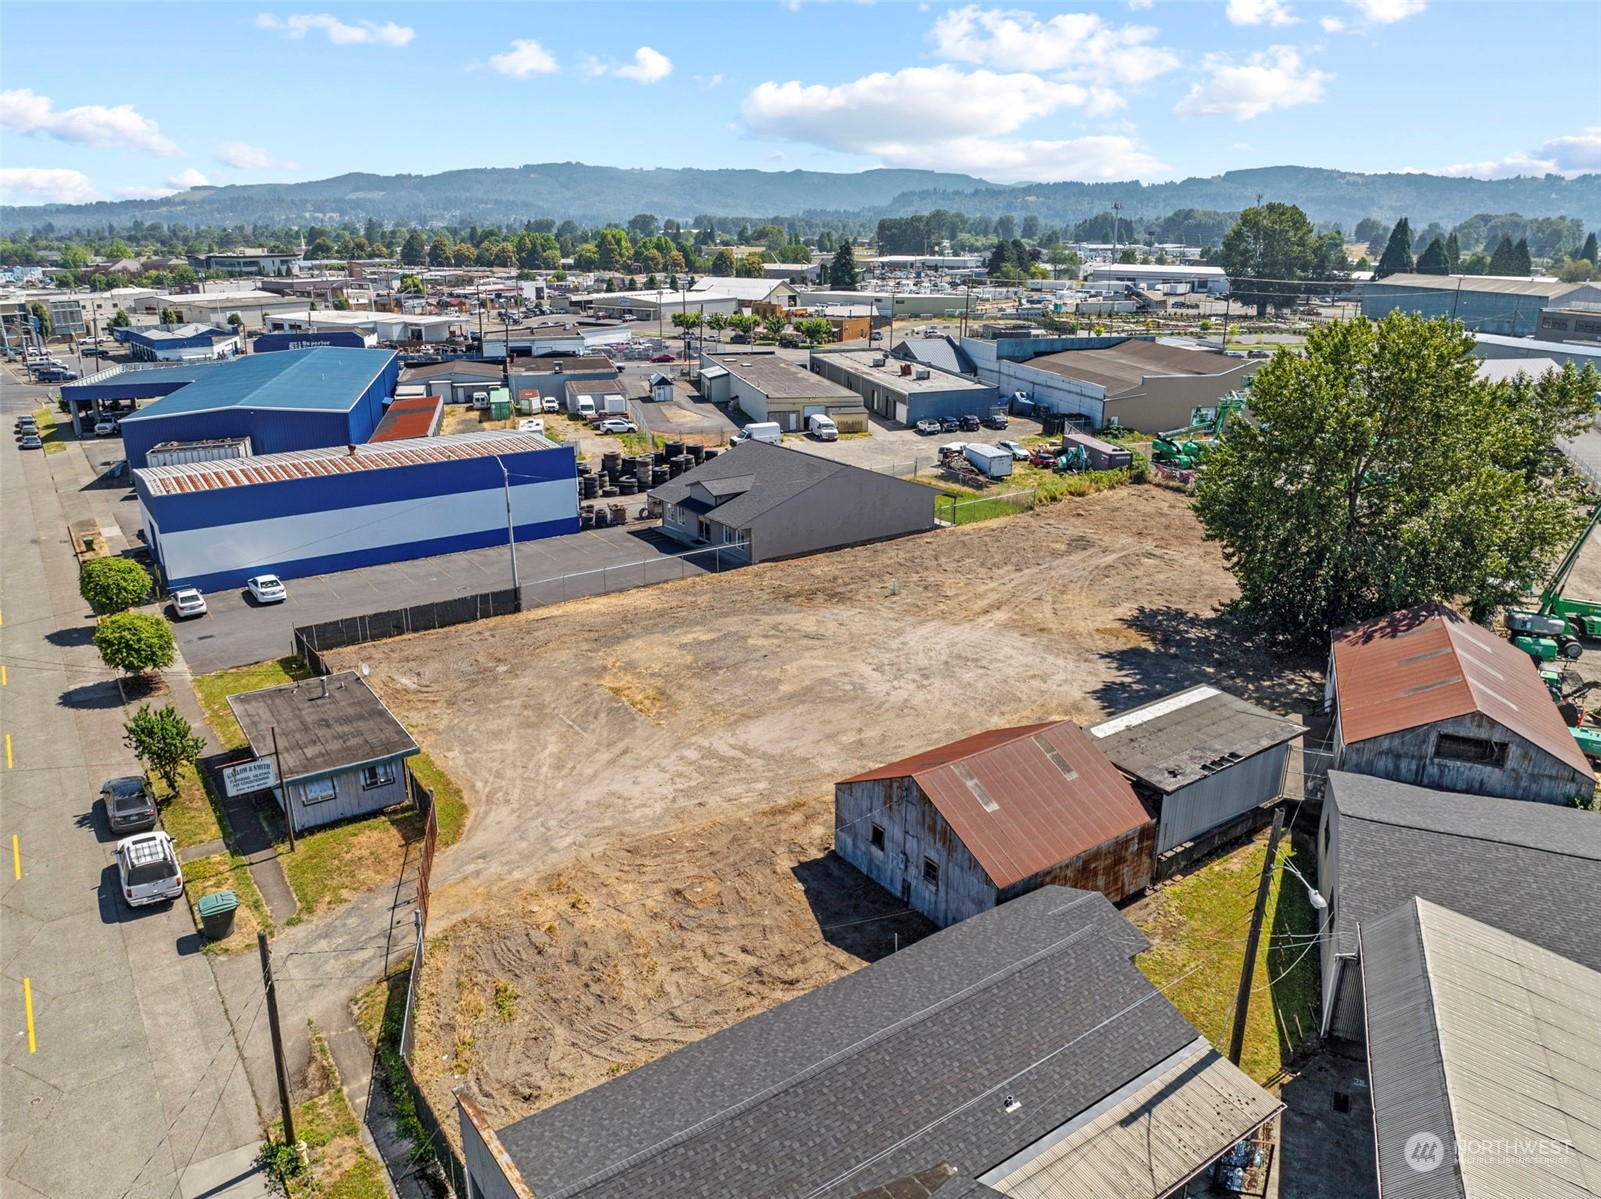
pixel 586 407
pixel 822 427
pixel 480 400
pixel 760 430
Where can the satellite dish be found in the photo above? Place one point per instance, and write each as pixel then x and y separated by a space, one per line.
pixel 364 671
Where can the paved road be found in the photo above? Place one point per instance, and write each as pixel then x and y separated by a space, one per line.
pixel 128 1082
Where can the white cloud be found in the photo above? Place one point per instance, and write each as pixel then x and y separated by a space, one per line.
pixel 1332 24
pixel 47 185
pixel 1576 155
pixel 1259 12
pixel 1271 79
pixel 91 124
pixel 143 193
pixel 246 157
pixel 526 57
pixel 184 180
pixel 1077 45
pixel 340 33
pixel 649 66
pixel 1388 12
pixel 1013 161
pixel 921 105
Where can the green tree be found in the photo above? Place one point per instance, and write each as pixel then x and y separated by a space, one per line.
pixel 464 255
pixel 774 323
pixel 113 585
pixel 1522 264
pixel 1063 257
pixel 843 274
pixel 439 251
pixel 717 322
pixel 1434 260
pixel 119 320
pixel 414 250
pixel 1504 260
pixel 134 642
pixel 817 330
pixel 163 741
pixel 410 285
pixel 1378 471
pixel 1589 251
pixel 171 316
pixel 745 323
pixel 723 263
pixel 321 248
pixel 586 257
pixel 1453 254
pixel 1268 255
pixel 1397 256
pixel 41 314
pixel 236 321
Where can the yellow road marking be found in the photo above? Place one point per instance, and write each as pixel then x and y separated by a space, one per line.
pixel 2 676
pixel 8 751
pixel 16 854
pixel 27 1002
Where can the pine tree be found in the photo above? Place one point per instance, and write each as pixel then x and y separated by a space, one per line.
pixel 1501 262
pixel 1397 257
pixel 1589 251
pixel 1434 261
pixel 1453 254
pixel 842 272
pixel 1522 264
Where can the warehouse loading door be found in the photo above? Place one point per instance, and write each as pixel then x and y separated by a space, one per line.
pixel 900 411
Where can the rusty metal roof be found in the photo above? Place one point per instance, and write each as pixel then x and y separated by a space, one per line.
pixel 1429 663
pixel 1023 799
pixel 415 416
pixel 309 464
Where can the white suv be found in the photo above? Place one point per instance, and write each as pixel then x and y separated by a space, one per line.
pixel 147 868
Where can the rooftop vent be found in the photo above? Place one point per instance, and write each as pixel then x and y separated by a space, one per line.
pixel 920 374
pixel 878 360
pixel 906 368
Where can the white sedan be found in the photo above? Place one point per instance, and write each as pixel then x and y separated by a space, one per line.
pixel 187 602
pixel 267 589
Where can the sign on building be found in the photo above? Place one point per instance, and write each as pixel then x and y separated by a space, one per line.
pixel 255 775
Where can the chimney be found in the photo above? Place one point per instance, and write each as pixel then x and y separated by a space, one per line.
pixel 350 450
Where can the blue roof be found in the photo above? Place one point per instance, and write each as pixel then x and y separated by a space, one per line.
pixel 321 379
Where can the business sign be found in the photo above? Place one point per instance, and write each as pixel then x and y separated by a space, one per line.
pixel 256 775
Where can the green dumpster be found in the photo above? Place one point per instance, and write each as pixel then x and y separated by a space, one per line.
pixel 216 914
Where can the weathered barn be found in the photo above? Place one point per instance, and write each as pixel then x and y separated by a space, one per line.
pixel 1210 765
pixel 1425 696
pixel 954 831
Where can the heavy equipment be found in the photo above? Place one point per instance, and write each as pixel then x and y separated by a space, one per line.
pixel 1181 448
pixel 1567 692
pixel 1072 458
pixel 1553 627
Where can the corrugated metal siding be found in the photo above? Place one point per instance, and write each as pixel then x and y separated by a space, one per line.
pixel 1348 1018
pixel 351 800
pixel 1219 798
pixel 1117 869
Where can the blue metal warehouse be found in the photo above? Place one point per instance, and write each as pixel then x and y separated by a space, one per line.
pixel 214 524
pixel 296 400
pixel 267 343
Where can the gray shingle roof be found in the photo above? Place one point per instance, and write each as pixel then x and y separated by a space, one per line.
pixel 318 733
pixel 1531 869
pixel 1175 741
pixel 881 1074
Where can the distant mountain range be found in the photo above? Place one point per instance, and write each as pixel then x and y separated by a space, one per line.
pixel 590 194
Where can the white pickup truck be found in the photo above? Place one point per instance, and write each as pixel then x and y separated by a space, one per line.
pixel 147 867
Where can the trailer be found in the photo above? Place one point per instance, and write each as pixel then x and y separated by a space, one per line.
pixel 182 453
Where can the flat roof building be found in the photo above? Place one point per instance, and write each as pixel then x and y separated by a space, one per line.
pixel 181 343
pixel 253 308
pixel 1483 303
pixel 766 387
pixel 903 391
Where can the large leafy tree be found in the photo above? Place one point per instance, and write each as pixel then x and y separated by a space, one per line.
pixel 414 250
pixel 134 642
pixel 1268 255
pixel 1397 256
pixel 1378 471
pixel 113 584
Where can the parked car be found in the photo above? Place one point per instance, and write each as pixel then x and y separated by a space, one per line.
pixel 147 868
pixel 616 424
pixel 31 441
pixel 929 425
pixel 268 589
pixel 1046 455
pixel 968 424
pixel 739 339
pixel 1259 353
pixel 55 374
pixel 531 424
pixel 1016 449
pixel 187 602
pixel 996 420
pixel 953 449
pixel 107 427
pixel 130 808
pixel 550 404
pixel 662 358
pixel 26 424
pixel 950 424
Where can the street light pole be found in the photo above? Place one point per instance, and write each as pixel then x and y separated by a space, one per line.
pixel 511 534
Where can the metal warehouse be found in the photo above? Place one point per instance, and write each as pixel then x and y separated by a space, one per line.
pixel 1207 763
pixel 954 831
pixel 903 391
pixel 1484 303
pixel 296 400
pixel 769 388
pixel 214 524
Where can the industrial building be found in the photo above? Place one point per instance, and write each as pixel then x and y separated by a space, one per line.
pixel 297 400
pixel 766 387
pixel 1020 1053
pixel 1208 764
pixel 454 381
pixel 340 753
pixel 1136 383
pixel 1571 324
pixel 1426 697
pixel 759 502
pixel 1483 1052
pixel 253 308
pixel 179 343
pixel 656 305
pixel 412 416
pixel 385 326
pixel 1533 870
pixel 214 524
pixel 956 830
pixel 1483 303
pixel 547 378
pixel 941 353
pixel 1171 278
pixel 351 339
pixel 903 391
pixel 248 262
pixel 1491 345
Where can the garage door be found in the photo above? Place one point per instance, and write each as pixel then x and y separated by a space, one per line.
pixel 900 411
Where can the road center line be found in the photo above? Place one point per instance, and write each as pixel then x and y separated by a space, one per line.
pixel 27 1002
pixel 8 751
pixel 16 854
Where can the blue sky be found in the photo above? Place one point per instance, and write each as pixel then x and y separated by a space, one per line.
pixel 113 101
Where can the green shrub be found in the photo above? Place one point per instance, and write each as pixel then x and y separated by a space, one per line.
pixel 111 585
pixel 135 642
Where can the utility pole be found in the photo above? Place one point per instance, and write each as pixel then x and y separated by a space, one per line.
pixel 1242 1001
pixel 277 1036
pixel 511 535
pixel 289 803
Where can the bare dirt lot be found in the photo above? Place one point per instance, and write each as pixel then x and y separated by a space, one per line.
pixel 650 773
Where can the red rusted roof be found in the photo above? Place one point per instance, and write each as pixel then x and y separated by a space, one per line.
pixel 415 416
pixel 1023 799
pixel 1429 663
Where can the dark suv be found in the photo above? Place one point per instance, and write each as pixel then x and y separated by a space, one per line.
pixel 968 424
pixel 130 808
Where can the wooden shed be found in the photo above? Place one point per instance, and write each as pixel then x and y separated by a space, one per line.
pixel 1426 697
pixel 954 831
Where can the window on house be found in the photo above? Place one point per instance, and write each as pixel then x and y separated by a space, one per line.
pixel 319 791
pixel 377 776
pixel 1477 750
pixel 876 837
pixel 931 873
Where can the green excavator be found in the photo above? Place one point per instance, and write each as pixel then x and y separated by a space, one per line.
pixel 1552 629
pixel 1567 692
pixel 1180 447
